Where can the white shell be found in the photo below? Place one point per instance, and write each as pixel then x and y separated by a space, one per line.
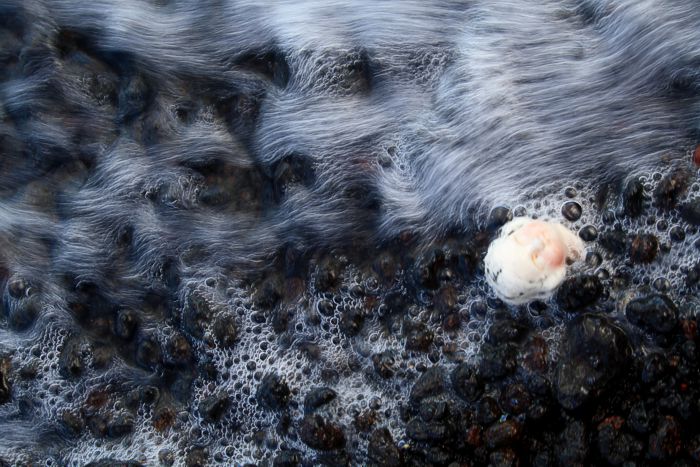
pixel 514 263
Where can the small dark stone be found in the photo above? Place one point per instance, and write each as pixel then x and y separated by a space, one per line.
pixel 430 383
pixel 515 399
pixel 676 234
pixel 643 248
pixel 588 233
pixel 288 458
pixel 655 313
pixel 614 241
pixel 594 351
pixel 351 322
pixel 633 197
pixel 317 397
pixel 125 324
pixel 166 457
pixel 384 364
pixel 418 336
pixel 654 367
pixel 571 211
pixel 466 383
pixel 502 434
pixel 273 392
pixel 319 434
pixel 197 457
pixel 579 292
pixel 665 442
pixel 427 269
pixel 614 445
pixel 178 350
pixel 498 217
pixel 196 315
pixel 213 407
pixel 225 330
pixel 505 330
pixel 573 448
pixel 268 293
pixel 639 420
pixel 381 450
pixel 120 425
pixel 73 421
pixel 328 274
pixel 5 387
pixel 690 211
pixel 148 353
pixel 504 458
pixel 70 361
pixel 385 266
pixel 670 188
pixel 496 361
pixel 487 410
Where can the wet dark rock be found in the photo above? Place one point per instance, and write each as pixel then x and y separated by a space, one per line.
pixel 515 399
pixel 19 287
pixel 268 293
pixel 594 351
pixel 571 211
pixel 505 330
pixel 665 442
pixel 70 362
pixel 633 197
pixel 166 457
pixel 273 392
pixel 643 248
pixel 21 314
pixel 351 322
pixel 385 266
pixel 670 188
pixel 319 434
pixel 426 270
pixel 639 420
pixel 614 241
pixel 317 397
pixel 466 383
pixel 381 450
pixel 654 366
pixel 73 422
pixel 430 383
pixel 384 364
pixel 111 462
pixel 225 330
pixel 614 445
pixel 487 410
pixel 690 211
pixel 280 320
pixel 148 352
pixel 5 387
pixel 504 458
pixel 196 315
pixel 498 217
pixel 120 425
pixel 213 407
pixel 579 292
pixel 496 361
pixel 125 323
pixel 573 448
pixel 588 233
pixel 654 313
pixel 502 434
pixel 434 424
pixel 288 458
pixel 418 336
pixel 328 274
pixel 178 350
pixel 197 457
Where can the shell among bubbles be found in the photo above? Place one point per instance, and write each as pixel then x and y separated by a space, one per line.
pixel 528 260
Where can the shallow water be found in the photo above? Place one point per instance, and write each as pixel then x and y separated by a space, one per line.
pixel 194 195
